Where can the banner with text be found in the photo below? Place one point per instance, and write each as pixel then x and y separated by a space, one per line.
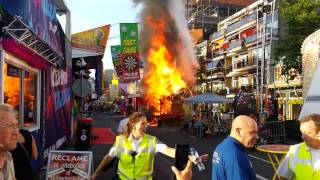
pixel 58 108
pixel 69 165
pixel 40 16
pixel 116 59
pixel 130 52
pixel 93 39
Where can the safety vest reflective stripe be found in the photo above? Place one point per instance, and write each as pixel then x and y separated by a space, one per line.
pixel 152 151
pixel 300 163
pixel 119 146
pixel 296 160
pixel 128 178
pixel 146 149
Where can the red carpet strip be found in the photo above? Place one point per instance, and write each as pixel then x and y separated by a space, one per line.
pixel 102 136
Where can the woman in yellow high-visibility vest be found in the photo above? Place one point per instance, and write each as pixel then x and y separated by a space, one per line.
pixel 135 150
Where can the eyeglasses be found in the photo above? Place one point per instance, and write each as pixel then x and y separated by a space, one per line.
pixel 11 126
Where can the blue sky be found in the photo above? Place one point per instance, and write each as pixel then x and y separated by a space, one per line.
pixel 88 14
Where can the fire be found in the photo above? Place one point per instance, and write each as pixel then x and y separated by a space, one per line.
pixel 12 91
pixel 162 80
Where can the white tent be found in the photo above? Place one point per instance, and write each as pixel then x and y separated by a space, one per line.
pixel 312 101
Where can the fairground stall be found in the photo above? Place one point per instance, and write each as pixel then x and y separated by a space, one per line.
pixel 35 69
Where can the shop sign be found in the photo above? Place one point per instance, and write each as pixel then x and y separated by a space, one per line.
pixel 93 39
pixel 14 71
pixel 130 52
pixel 69 165
pixel 116 59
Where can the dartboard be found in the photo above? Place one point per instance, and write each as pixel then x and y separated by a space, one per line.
pixel 130 62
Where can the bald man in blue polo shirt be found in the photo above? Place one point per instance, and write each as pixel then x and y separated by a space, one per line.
pixel 230 160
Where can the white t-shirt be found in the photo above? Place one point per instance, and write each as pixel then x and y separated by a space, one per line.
pixel 122 125
pixel 160 147
pixel 284 171
pixel 7 172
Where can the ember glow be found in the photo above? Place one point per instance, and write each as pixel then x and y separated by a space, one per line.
pixel 163 79
pixel 12 91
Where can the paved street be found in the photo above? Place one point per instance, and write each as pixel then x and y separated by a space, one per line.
pixel 171 135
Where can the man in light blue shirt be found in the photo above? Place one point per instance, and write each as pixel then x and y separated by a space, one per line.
pixel 230 160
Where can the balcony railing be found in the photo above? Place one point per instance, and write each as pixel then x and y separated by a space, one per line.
pixel 250 18
pixel 269 17
pixel 234 44
pixel 251 38
pixel 242 22
pixel 216 35
pixel 217 52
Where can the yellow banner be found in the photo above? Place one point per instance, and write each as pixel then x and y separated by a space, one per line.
pixel 93 39
pixel 217 44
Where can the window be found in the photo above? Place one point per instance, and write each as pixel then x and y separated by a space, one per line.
pixel 29 98
pixel 244 81
pixel 21 91
pixel 235 83
pixel 12 85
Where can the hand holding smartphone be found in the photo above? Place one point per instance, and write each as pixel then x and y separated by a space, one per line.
pixel 181 157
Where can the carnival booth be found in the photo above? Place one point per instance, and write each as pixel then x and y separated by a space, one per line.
pixel 207 112
pixel 36 71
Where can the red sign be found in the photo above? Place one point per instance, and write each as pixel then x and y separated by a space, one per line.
pixel 130 67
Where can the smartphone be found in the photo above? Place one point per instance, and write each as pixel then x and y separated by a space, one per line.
pixel 181 157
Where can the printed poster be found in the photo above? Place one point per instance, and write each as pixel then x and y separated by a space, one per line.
pixel 116 59
pixel 130 52
pixel 74 165
pixel 93 39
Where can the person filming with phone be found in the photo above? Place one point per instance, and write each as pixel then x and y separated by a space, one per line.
pixel 136 151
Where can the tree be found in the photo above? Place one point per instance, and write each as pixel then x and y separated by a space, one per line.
pixel 201 72
pixel 300 19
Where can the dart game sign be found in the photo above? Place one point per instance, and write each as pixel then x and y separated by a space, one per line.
pixel 73 165
pixel 130 52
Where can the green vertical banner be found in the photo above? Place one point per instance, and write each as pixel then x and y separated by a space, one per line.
pixel 116 52
pixel 130 52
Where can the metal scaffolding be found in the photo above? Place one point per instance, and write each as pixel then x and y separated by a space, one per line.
pixel 202 12
pixel 18 30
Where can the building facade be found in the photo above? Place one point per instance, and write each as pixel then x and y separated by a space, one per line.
pixel 243 45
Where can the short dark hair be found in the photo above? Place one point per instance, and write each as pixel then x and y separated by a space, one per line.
pixel 312 117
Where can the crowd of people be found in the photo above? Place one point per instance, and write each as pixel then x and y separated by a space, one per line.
pixel 135 151
pixel 230 159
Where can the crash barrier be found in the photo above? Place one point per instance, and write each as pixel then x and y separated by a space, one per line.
pixel 202 127
pixel 271 132
pixel 222 125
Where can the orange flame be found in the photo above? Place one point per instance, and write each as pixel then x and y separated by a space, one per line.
pixel 12 90
pixel 162 80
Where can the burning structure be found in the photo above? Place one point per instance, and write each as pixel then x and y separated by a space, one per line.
pixel 167 48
